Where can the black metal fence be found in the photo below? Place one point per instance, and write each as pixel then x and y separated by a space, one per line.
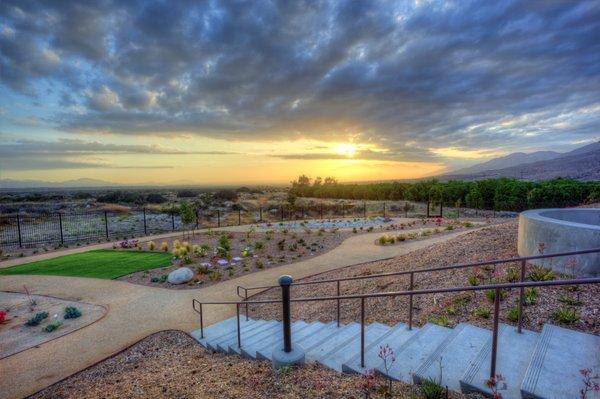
pixel 30 230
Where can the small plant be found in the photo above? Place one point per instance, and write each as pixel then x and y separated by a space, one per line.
pixel 215 275
pixel 441 320
pixel 259 246
pixel 512 275
pixel 354 230
pixel 565 315
pixel 462 299
pixel 567 300
pixel 176 252
pixel 401 237
pixel 201 250
pixel 431 388
pixel 203 270
pixel 71 312
pixel 37 319
pixel 450 227
pixel 51 326
pixel 591 382
pixel 539 273
pixel 2 316
pixel 151 245
pixel 530 296
pixel 426 233
pixel 164 246
pixel 367 382
pixel 386 353
pixel 30 300
pixel 382 240
pixel 473 279
pixel 491 295
pixel 259 264
pixel 482 313
pixel 176 244
pixel 512 314
pixel 281 244
pixel 451 310
pixel 187 259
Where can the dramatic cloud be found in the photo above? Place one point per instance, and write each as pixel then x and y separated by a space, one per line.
pixel 461 74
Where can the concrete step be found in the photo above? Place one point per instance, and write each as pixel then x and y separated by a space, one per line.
pixel 513 356
pixel 219 328
pixel 223 346
pixel 338 356
pixel 557 358
pixel 342 336
pixel 268 338
pixel 265 334
pixel 454 356
pixel 414 351
pixel 316 331
pixel 397 336
pixel 213 342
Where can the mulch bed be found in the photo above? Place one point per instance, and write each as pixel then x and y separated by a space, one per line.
pixel 171 364
pixel 493 242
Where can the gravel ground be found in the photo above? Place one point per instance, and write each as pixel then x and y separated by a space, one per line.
pixel 498 241
pixel 170 364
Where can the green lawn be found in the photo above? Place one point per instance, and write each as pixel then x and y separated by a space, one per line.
pixel 103 263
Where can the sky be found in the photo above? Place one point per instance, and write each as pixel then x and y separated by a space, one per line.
pixel 257 92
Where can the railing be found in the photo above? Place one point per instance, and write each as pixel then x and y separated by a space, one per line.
pixel 411 273
pixel 197 306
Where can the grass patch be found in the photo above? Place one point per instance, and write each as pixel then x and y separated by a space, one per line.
pixel 103 263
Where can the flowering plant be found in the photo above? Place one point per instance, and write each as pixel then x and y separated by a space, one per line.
pixel 128 244
pixel 2 316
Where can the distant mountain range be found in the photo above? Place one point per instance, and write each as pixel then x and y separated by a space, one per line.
pixel 77 183
pixel 582 163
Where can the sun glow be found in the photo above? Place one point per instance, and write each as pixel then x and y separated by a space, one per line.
pixel 346 149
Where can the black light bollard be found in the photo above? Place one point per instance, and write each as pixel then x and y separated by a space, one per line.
pixel 286 355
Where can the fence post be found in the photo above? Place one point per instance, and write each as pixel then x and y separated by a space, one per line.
pixel 239 335
pixel 19 231
pixel 173 221
pixel 364 210
pixel 495 333
pixel 338 303
pixel 384 209
pixel 362 332
pixel 281 206
pixel 285 282
pixel 145 229
pixel 218 218
pixel 441 209
pixel 260 214
pixel 62 241
pixel 410 302
pixel 427 209
pixel 106 224
pixel 321 210
pixel 239 217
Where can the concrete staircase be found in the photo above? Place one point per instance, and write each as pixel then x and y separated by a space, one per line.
pixel 534 365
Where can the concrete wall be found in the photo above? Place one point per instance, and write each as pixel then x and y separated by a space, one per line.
pixel 562 230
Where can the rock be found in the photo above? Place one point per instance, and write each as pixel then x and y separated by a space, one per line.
pixel 180 276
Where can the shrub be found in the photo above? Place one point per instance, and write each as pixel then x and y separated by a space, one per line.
pixel 565 315
pixel 71 312
pixel 354 230
pixel 2 316
pixel 473 279
pixel 187 259
pixel 451 310
pixel 450 227
pixel 401 237
pixel 512 275
pixel 176 244
pixel 201 250
pixel 281 244
pixel 51 327
pixel 37 319
pixel 151 245
pixel 462 299
pixel 382 240
pixel 187 247
pixel 468 224
pixel 160 279
pixel 203 270
pixel 539 273
pixel 215 275
pixel 259 264
pixel 530 296
pixel 512 314
pixel 259 245
pixel 426 233
pixel 482 313
pixel 164 246
pixel 176 252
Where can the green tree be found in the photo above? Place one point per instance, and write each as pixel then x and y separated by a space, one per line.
pixel 187 214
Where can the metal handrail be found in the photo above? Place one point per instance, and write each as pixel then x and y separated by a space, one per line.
pixel 411 273
pixel 496 287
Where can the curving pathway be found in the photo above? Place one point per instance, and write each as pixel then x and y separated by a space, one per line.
pixel 136 311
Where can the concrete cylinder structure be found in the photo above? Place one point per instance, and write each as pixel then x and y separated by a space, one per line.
pixel 562 230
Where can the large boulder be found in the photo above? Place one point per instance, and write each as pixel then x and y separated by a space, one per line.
pixel 180 275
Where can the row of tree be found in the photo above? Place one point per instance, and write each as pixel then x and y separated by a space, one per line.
pixel 501 194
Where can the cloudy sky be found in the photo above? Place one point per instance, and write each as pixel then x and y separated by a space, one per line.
pixel 261 91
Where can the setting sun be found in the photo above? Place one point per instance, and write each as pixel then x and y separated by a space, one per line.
pixel 346 149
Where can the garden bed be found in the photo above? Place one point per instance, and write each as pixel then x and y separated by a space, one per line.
pixel 171 364
pixel 16 336
pixel 551 304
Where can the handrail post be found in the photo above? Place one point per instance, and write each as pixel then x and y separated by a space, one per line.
pixel 246 299
pixel 410 301
pixel 239 335
pixel 19 231
pixel 285 282
pixel 201 322
pixel 364 210
pixel 362 332
pixel 62 241
pixel 495 332
pixel 522 295
pixel 260 213
pixel 338 303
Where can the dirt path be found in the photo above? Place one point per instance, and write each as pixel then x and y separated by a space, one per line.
pixel 136 311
